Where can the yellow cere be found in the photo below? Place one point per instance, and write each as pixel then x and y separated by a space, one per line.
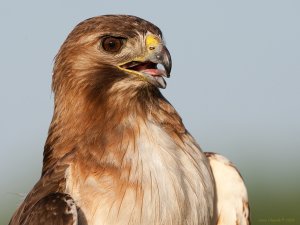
pixel 152 41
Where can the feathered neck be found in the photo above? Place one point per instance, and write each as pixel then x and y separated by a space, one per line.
pixel 101 117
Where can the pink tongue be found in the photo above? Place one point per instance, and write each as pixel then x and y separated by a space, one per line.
pixel 153 72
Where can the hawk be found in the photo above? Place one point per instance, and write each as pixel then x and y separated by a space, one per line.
pixel 117 152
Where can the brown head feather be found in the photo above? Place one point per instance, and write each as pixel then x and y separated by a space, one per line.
pixel 93 97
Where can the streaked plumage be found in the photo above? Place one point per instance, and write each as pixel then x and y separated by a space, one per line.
pixel 115 145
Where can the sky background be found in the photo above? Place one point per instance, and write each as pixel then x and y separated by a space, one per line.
pixel 235 82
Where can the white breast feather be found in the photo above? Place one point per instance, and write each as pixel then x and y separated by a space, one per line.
pixel 177 185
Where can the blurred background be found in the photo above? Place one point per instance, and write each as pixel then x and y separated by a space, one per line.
pixel 235 82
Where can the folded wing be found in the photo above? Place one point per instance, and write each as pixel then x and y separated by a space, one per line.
pixel 232 198
pixel 55 208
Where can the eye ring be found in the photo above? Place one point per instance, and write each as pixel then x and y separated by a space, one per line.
pixel 112 44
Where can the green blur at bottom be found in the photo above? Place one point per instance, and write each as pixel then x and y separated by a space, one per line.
pixel 271 202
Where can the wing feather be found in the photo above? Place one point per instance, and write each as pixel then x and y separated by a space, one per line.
pixel 55 208
pixel 232 198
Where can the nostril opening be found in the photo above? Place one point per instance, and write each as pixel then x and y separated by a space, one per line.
pixel 151 48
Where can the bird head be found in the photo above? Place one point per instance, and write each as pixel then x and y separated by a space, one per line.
pixel 112 50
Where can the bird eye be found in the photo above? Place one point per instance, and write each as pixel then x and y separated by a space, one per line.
pixel 112 44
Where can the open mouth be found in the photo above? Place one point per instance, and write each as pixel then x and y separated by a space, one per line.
pixel 150 70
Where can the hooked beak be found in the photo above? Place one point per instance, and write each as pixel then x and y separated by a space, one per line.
pixel 156 65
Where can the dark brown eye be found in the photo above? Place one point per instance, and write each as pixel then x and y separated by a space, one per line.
pixel 112 44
